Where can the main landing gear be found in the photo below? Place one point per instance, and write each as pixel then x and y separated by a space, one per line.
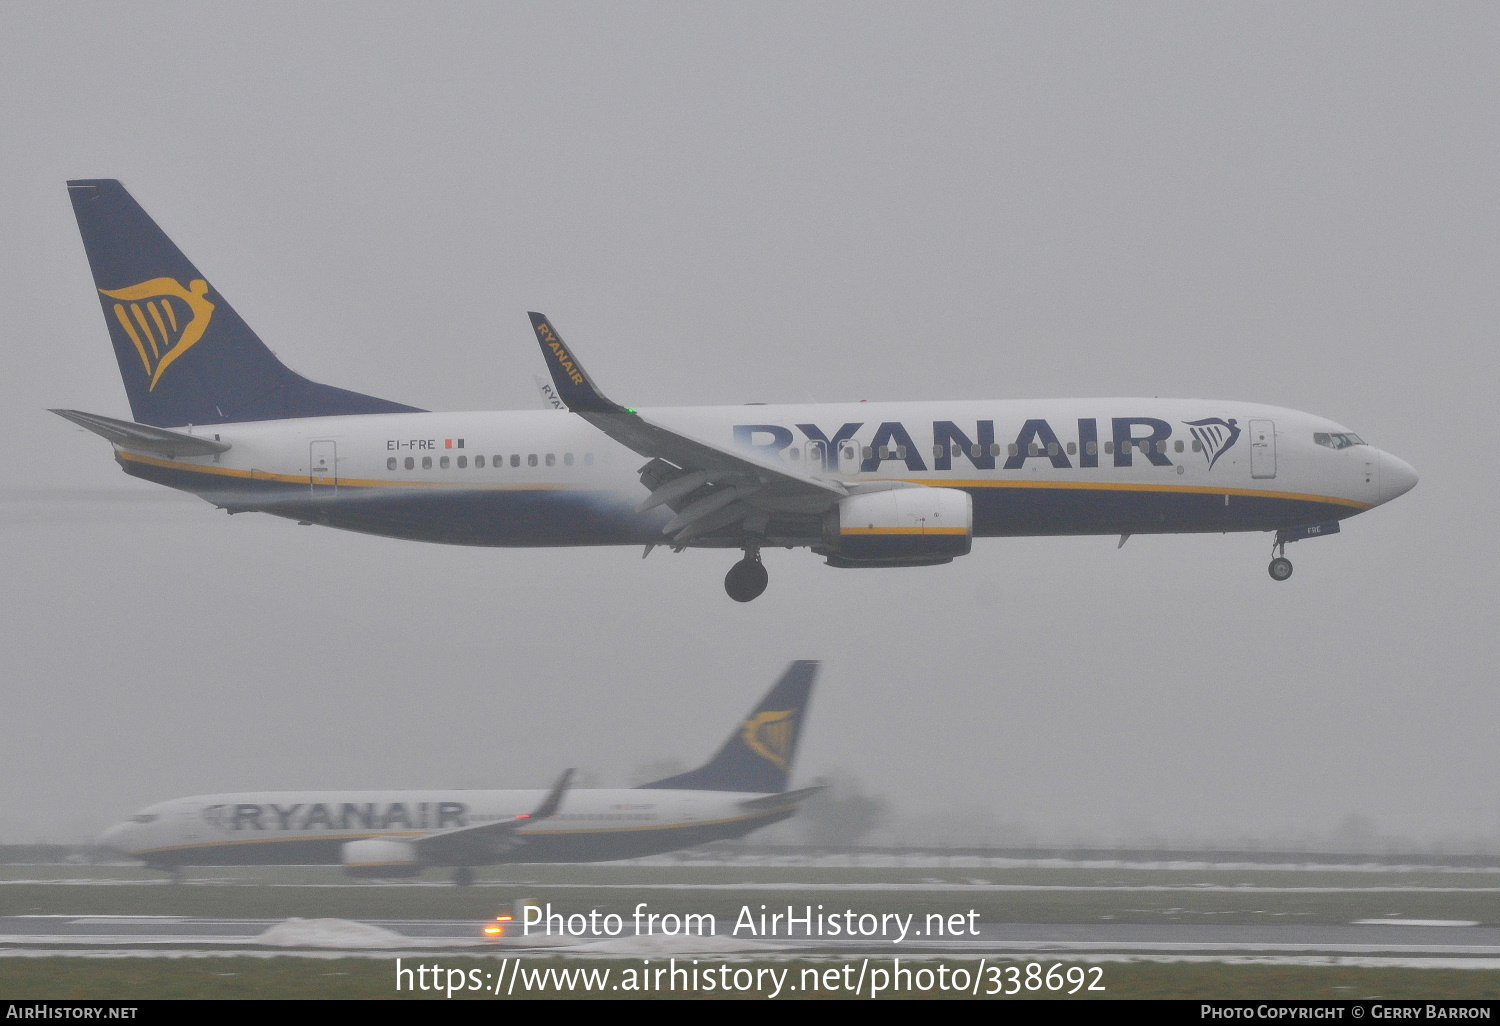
pixel 747 578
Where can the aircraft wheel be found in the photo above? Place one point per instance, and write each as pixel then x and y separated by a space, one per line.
pixel 746 579
pixel 463 876
pixel 1280 568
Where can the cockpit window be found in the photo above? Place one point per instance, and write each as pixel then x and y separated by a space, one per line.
pixel 143 817
pixel 1337 440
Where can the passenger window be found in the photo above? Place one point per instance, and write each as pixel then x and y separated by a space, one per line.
pixel 1036 449
pixel 426 462
pixel 867 452
pixel 1109 448
pixel 1052 449
pixel 1012 449
pixel 994 448
pixel 515 459
pixel 900 452
pixel 975 451
pixel 939 451
pixel 551 460
pixel 1092 449
pixel 568 459
pixel 443 462
pixel 1072 448
pixel 1197 445
pixel 479 462
pixel 1179 445
pixel 410 463
pixel 588 459
pixel 794 454
pixel 463 461
pixel 531 460
pixel 390 463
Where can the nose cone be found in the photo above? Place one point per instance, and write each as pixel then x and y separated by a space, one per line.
pixel 1396 477
pixel 116 839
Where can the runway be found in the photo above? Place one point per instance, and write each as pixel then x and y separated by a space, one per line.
pixel 179 935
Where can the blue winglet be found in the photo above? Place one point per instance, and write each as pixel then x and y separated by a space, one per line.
pixel 574 387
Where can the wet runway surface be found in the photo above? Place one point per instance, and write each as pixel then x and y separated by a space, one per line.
pixel 148 933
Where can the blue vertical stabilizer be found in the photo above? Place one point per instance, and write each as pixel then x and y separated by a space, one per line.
pixel 758 755
pixel 185 355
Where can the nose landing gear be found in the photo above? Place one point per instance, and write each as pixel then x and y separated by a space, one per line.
pixel 1281 567
pixel 747 578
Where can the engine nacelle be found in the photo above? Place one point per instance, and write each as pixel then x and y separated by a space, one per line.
pixel 376 857
pixel 899 527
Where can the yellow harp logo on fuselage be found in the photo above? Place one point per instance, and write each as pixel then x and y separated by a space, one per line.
pixel 163 319
pixel 770 734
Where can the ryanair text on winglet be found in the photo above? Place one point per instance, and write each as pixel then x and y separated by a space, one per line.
pixel 545 331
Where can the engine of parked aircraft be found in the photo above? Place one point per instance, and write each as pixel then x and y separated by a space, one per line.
pixel 376 857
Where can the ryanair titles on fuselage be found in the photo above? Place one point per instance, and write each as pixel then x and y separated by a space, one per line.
pixel 1125 438
pixel 337 816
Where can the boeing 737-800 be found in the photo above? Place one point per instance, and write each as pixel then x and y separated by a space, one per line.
pixel 870 484
pixel 400 833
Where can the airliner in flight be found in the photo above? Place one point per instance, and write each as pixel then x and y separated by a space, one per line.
pixel 401 833
pixel 868 484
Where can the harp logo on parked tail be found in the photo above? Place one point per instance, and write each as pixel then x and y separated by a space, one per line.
pixel 770 735
pixel 163 319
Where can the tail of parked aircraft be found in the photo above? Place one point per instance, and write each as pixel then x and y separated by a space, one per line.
pixel 185 355
pixel 758 755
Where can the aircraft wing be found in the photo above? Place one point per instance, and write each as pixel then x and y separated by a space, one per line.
pixel 709 487
pixel 462 845
pixel 143 437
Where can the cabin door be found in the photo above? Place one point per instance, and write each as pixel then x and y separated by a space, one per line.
pixel 323 472
pixel 1262 449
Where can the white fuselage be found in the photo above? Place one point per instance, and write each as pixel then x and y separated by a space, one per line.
pixel 311 827
pixel 1032 467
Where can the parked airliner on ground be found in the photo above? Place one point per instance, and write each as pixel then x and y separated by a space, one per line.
pixel 876 484
pixel 400 833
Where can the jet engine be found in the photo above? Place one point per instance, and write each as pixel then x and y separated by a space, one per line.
pixel 375 857
pixel 915 526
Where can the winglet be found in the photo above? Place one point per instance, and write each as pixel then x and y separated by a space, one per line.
pixel 554 797
pixel 574 387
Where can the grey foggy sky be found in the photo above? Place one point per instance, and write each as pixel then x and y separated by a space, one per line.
pixel 1286 203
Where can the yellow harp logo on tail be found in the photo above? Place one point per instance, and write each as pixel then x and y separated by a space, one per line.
pixel 163 319
pixel 769 735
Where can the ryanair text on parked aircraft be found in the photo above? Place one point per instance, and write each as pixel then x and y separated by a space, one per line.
pixel 876 484
pixel 400 833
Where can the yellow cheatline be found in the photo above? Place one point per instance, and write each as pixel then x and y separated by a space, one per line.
pixel 1124 486
pixel 903 530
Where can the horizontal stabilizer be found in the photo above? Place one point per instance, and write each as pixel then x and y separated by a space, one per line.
pixel 143 437
pixel 785 798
